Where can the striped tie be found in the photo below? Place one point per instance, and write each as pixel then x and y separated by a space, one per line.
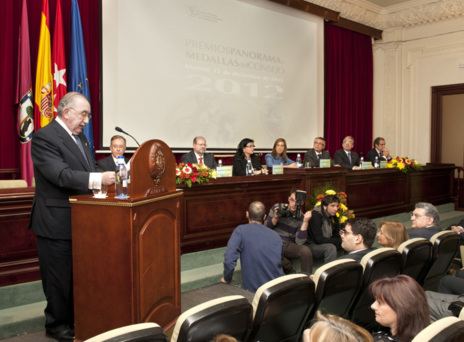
pixel 81 148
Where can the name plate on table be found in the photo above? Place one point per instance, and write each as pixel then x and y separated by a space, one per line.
pixel 224 171
pixel 323 163
pixel 366 165
pixel 383 164
pixel 277 169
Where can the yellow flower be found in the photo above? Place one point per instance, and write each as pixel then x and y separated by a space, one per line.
pixel 318 203
pixel 400 166
pixel 338 214
pixel 390 166
pixel 330 192
pixel 343 207
pixel 213 174
pixel 343 219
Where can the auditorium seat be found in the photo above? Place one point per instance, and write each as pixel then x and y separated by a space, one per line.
pixel 12 183
pixel 229 315
pixel 142 332
pixel 416 255
pixel 445 246
pixel 378 263
pixel 448 329
pixel 337 285
pixel 281 307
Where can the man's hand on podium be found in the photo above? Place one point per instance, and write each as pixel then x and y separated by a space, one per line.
pixel 108 178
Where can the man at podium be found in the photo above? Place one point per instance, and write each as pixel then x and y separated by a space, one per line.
pixel 63 167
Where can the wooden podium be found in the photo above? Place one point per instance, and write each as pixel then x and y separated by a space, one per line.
pixel 126 253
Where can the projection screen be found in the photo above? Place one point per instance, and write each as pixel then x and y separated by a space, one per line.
pixel 222 69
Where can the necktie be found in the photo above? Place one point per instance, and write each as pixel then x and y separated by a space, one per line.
pixel 380 156
pixel 318 156
pixel 201 160
pixel 81 147
pixel 349 156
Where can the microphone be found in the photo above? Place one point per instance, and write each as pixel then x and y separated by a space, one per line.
pixel 119 129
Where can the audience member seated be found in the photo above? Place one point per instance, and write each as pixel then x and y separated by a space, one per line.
pixel 424 218
pixel 379 151
pixel 334 328
pixel 259 249
pixel 400 305
pixel 278 156
pixel 292 226
pixel 449 300
pixel 324 229
pixel 198 155
pixel 392 234
pixel 245 151
pixel 117 148
pixel 358 237
pixel 459 228
pixel 346 157
pixel 315 154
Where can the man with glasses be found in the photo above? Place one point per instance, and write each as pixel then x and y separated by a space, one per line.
pixel 357 238
pixel 117 148
pixel 346 157
pixel 293 230
pixel 424 221
pixel 379 151
pixel 63 167
pixel 315 154
pixel 198 155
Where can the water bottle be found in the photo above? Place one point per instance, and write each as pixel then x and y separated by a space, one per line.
pixel 219 163
pixel 376 162
pixel 249 168
pixel 121 179
pixel 298 161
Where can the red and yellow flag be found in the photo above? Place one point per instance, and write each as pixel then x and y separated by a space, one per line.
pixel 44 80
pixel 59 60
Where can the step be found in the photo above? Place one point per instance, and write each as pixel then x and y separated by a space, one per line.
pixel 21 294
pixel 23 318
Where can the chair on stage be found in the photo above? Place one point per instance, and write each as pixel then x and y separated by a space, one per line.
pixel 280 309
pixel 448 329
pixel 337 285
pixel 416 255
pixel 445 246
pixel 142 332
pixel 229 315
pixel 378 263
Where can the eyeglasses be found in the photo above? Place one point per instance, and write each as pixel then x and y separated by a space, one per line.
pixel 345 232
pixel 84 114
pixel 251 146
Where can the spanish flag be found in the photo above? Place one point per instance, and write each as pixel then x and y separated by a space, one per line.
pixel 44 80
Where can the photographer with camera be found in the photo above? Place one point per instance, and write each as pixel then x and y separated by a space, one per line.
pixel 292 226
pixel 324 229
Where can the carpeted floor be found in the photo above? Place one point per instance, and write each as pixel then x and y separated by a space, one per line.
pixel 189 299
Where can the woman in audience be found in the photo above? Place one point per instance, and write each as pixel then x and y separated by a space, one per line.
pixel 334 328
pixel 245 151
pixel 278 156
pixel 400 304
pixel 392 234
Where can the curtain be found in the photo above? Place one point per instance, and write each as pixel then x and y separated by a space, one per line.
pixel 348 88
pixel 10 12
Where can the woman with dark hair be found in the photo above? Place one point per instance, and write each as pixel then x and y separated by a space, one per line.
pixel 245 151
pixel 392 234
pixel 278 156
pixel 400 304
pixel 324 229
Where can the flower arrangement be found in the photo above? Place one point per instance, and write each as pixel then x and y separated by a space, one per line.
pixel 343 212
pixel 193 173
pixel 404 164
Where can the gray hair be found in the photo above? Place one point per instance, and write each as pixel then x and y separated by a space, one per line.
pixel 67 100
pixel 430 211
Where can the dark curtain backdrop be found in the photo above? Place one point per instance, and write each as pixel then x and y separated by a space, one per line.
pixel 10 12
pixel 348 88
pixel 348 75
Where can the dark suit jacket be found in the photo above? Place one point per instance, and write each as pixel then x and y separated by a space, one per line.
pixel 191 158
pixel 371 156
pixel 341 159
pixel 60 171
pixel 358 255
pixel 108 164
pixel 239 165
pixel 311 157
pixel 426 232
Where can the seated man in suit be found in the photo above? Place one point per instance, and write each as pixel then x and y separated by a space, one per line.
pixel 198 155
pixel 450 290
pixel 347 158
pixel 258 247
pixel 117 148
pixel 313 155
pixel 357 238
pixel 379 150
pixel 424 218
pixel 459 228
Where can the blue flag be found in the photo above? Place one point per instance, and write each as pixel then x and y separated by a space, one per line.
pixel 77 68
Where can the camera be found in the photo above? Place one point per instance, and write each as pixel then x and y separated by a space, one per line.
pixel 284 210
